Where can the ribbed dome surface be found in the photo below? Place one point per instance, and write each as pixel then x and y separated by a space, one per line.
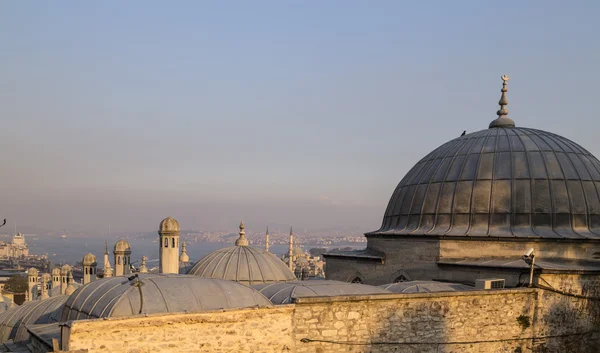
pixel 499 182
pixel 13 321
pixel 243 264
pixel 425 287
pixel 285 293
pixel 119 297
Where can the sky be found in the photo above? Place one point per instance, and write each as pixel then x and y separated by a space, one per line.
pixel 275 112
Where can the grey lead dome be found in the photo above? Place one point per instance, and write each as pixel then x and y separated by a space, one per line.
pixel 150 294
pixel 499 182
pixel 243 264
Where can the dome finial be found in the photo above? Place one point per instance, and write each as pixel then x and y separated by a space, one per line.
pixel 503 120
pixel 143 267
pixel 242 241
pixel 503 100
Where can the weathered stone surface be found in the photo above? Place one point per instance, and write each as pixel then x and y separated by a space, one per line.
pixel 249 330
pixel 511 320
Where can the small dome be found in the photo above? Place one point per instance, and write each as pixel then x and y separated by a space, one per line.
pixel 425 287
pixel 284 293
pixel 243 264
pixel 32 272
pixel 122 246
pixel 89 259
pixel 297 251
pixel 168 224
pixel 115 297
pixel 65 269
pixel 56 271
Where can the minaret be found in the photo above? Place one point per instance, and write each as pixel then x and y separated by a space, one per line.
pixel 90 268
pixel 291 250
pixel 122 252
pixel 55 277
pixel 168 245
pixel 108 271
pixel 45 280
pixel 32 282
pixel 267 240
pixel 65 270
pixel 184 256
pixel 143 268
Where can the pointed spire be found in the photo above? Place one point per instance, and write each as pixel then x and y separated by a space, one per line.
pixel 291 250
pixel 44 294
pixel 108 271
pixel 184 256
pixel 143 268
pixel 503 120
pixel 267 240
pixel 242 241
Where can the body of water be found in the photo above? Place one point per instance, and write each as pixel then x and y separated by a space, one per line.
pixel 70 250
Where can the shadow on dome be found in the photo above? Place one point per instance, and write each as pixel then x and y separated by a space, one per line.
pixel 285 293
pixel 13 321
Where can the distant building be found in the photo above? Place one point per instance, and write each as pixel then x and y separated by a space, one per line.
pixel 15 249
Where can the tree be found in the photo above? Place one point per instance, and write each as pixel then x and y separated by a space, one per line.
pixel 16 284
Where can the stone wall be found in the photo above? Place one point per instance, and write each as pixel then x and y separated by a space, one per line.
pixel 248 330
pixel 431 322
pixel 417 258
pixel 413 258
pixel 509 320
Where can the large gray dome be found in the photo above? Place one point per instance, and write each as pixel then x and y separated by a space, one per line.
pixel 500 182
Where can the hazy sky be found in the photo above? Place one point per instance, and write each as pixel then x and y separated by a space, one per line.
pixel 275 112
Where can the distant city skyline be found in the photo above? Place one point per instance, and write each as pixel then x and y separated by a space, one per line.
pixel 270 112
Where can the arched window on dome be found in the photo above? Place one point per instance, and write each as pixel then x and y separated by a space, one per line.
pixel 173 242
pixel 118 260
pixel 357 280
pixel 401 278
pixel 86 270
pixel 166 242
